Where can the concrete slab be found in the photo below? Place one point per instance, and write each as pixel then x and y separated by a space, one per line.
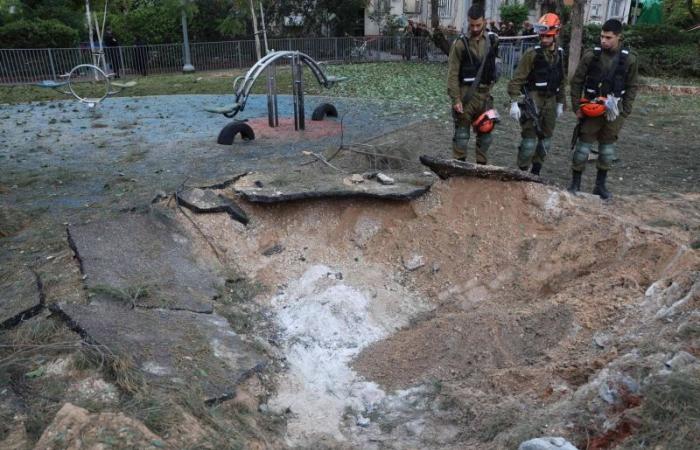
pixel 178 347
pixel 282 187
pixel 446 168
pixel 204 201
pixel 147 259
pixel 21 296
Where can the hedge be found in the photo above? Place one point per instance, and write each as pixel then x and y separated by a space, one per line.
pixel 37 33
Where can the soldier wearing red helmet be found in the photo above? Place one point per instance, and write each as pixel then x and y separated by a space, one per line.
pixel 602 92
pixel 540 74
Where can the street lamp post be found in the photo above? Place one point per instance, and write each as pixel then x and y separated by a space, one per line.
pixel 188 67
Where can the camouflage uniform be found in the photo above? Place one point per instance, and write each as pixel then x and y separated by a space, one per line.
pixel 480 101
pixel 546 101
pixel 598 128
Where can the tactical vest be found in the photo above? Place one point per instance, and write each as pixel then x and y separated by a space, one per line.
pixel 471 63
pixel 545 77
pixel 599 84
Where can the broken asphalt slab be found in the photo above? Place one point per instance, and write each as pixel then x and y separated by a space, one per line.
pixel 270 188
pixel 198 351
pixel 204 201
pixel 447 168
pixel 147 259
pixel 21 297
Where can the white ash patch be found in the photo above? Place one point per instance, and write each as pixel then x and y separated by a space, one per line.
pixel 95 389
pixel 326 323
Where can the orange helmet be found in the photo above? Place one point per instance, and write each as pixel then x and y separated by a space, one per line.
pixel 548 25
pixel 486 121
pixel 593 108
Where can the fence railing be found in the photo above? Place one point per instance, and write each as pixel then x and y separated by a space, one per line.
pixel 24 66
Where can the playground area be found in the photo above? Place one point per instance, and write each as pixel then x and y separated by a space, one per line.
pixel 316 306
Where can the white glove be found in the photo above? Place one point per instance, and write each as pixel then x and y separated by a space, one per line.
pixel 612 111
pixel 560 109
pixel 515 111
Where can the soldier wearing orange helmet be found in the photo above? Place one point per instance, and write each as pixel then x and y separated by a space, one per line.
pixel 603 90
pixel 540 74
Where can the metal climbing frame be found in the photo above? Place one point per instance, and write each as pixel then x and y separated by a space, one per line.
pixel 242 85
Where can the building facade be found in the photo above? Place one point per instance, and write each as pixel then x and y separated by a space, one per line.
pixel 453 13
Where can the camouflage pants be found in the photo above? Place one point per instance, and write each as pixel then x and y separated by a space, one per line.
pixel 480 102
pixel 530 150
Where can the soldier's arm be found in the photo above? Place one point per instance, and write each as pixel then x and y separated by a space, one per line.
pixel 453 62
pixel 520 75
pixel 576 84
pixel 631 88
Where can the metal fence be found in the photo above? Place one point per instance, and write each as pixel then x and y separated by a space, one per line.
pixel 23 66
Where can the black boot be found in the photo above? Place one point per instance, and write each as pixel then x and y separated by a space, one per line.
pixel 600 188
pixel 575 185
pixel 524 169
pixel 536 167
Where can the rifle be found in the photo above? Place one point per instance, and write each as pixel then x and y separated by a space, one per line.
pixel 576 134
pixel 529 108
pixel 530 111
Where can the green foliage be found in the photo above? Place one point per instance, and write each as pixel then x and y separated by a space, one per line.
pixel 516 13
pixel 153 23
pixel 643 36
pixel 37 33
pixel 669 60
pixel 681 13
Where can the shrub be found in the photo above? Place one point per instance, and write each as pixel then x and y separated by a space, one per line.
pixel 669 60
pixel 37 33
pixel 515 13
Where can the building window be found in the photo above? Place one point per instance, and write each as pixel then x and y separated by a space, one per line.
pixel 616 9
pixel 445 8
pixel 411 6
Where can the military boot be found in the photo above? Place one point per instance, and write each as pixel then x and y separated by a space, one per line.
pixel 575 185
pixel 600 188
pixel 536 167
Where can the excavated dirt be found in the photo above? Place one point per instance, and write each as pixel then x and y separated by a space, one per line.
pixel 483 289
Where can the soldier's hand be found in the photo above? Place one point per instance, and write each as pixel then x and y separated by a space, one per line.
pixel 458 108
pixel 579 114
pixel 515 111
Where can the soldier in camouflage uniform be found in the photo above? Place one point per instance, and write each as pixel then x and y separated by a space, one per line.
pixel 540 73
pixel 603 90
pixel 466 57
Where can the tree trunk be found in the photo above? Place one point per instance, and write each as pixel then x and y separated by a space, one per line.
pixel 576 35
pixel 437 36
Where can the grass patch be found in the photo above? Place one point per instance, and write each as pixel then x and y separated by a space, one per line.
pixel 129 296
pixel 670 413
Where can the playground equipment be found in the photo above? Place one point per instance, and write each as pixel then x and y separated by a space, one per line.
pixel 242 86
pixel 94 73
pixel 81 74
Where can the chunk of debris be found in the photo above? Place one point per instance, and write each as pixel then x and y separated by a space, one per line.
pixel 177 347
pixel 75 427
pixel 414 262
pixel 384 179
pixel 447 168
pixel 547 443
pixel 206 201
pixel 145 260
pixel 280 187
pixel 273 250
pixel 357 178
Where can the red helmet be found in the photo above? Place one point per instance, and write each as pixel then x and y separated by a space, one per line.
pixel 548 25
pixel 486 121
pixel 593 108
